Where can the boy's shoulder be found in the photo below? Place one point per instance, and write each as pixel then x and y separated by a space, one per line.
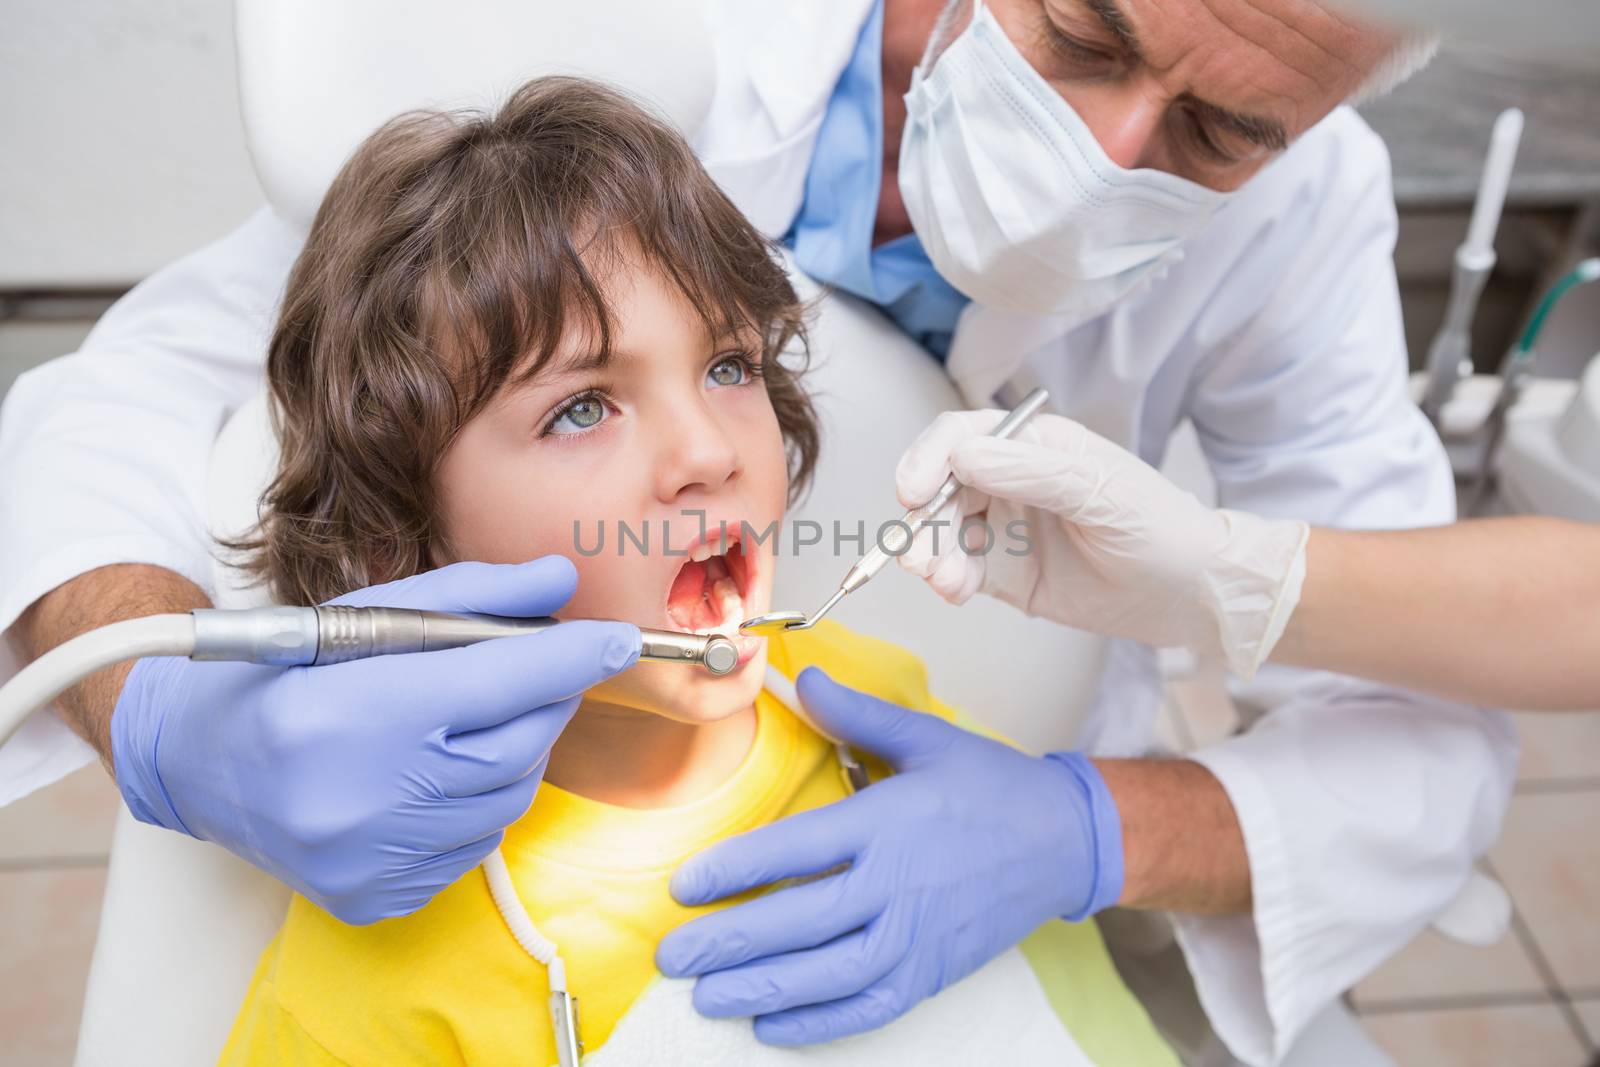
pixel 859 661
pixel 872 665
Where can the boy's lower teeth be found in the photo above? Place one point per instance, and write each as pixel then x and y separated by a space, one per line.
pixel 723 595
pixel 728 596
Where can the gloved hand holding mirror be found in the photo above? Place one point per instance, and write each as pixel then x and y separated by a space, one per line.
pixel 1111 545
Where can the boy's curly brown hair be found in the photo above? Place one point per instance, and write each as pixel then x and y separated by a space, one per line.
pixel 450 256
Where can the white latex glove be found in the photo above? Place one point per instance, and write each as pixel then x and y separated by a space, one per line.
pixel 1110 545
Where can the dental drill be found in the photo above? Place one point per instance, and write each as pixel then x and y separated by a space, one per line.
pixel 296 637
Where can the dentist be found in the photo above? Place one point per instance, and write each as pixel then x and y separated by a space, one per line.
pixel 1158 208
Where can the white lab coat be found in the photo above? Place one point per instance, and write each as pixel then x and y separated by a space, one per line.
pixel 1279 336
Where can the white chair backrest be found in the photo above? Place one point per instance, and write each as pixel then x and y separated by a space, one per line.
pixel 315 78
pixel 875 391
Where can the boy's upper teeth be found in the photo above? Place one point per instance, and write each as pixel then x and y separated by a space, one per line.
pixel 717 546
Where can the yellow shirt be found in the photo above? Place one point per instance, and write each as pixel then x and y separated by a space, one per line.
pixel 448 984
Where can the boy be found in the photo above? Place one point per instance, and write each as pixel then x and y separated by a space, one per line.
pixel 504 335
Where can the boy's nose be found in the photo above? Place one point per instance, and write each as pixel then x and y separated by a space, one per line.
pixel 698 453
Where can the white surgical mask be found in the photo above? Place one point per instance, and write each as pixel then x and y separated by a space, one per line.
pixel 1014 199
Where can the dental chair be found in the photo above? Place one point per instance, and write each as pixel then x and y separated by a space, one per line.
pixel 183 922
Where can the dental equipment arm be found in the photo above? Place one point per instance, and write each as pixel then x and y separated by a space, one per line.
pixel 296 636
pixel 1450 354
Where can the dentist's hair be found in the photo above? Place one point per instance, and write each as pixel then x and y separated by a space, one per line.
pixel 454 254
pixel 1411 52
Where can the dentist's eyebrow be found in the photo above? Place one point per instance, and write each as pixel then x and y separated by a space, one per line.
pixel 1115 21
pixel 1256 129
pixel 1263 132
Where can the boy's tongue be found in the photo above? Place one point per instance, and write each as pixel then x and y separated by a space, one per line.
pixel 703 595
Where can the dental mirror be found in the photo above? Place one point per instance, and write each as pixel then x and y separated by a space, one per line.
pixel 774 622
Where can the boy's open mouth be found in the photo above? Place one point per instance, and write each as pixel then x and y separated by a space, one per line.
pixel 710 589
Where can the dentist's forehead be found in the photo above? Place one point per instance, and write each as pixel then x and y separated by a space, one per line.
pixel 1299 51
pixel 1290 61
pixel 1302 36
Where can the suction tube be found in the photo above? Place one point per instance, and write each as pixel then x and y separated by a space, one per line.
pixel 72 661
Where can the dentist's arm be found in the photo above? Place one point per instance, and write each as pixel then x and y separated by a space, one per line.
pixel 99 598
pixel 1499 611
pixel 367 786
pixel 1494 611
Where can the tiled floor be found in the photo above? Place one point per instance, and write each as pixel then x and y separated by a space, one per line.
pixel 52 874
pixel 1533 1000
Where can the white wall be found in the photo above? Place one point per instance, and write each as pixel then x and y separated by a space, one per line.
pixel 120 141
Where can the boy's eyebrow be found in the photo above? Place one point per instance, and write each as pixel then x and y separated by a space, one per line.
pixel 578 361
pixel 589 359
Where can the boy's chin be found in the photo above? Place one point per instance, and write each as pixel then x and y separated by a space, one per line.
pixel 685 694
pixel 709 698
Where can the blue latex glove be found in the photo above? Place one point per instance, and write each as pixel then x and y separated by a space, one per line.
pixel 368 786
pixel 967 849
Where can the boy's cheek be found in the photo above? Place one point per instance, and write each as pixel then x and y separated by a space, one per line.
pixel 626 587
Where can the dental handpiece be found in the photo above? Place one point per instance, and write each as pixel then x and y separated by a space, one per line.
pixel 893 541
pixel 291 636
pixel 295 637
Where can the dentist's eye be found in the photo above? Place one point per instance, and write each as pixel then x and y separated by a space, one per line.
pixel 733 370
pixel 1072 55
pixel 1205 141
pixel 581 413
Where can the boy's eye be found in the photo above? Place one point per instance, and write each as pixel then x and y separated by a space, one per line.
pixel 730 370
pixel 583 413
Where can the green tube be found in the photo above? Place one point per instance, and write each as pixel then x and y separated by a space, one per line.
pixel 1587 271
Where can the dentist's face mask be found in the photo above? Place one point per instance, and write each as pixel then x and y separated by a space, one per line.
pixel 1012 196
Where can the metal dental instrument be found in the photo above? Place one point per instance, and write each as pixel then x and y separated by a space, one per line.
pixel 894 541
pixel 315 636
pixel 292 637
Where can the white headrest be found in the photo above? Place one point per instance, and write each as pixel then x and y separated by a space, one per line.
pixel 315 78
